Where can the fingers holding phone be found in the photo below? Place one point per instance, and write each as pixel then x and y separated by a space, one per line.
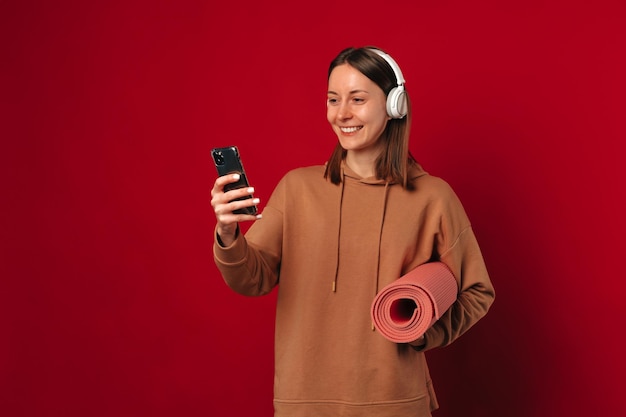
pixel 232 207
pixel 238 201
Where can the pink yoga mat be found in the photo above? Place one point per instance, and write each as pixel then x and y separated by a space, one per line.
pixel 403 310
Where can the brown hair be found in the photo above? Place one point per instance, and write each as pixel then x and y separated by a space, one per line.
pixel 394 161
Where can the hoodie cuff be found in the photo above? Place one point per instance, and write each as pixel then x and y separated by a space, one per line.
pixel 233 254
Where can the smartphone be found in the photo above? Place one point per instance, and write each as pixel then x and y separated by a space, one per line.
pixel 228 161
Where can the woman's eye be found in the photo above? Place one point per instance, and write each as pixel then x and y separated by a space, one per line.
pixel 358 100
pixel 332 100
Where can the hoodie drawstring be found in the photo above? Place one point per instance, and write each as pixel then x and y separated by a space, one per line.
pixel 343 182
pixel 380 235
pixel 380 240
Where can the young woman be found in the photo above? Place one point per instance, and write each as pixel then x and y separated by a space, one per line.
pixel 333 235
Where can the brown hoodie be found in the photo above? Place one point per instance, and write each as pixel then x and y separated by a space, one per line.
pixel 332 248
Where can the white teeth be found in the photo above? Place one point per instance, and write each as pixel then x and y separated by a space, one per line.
pixel 350 129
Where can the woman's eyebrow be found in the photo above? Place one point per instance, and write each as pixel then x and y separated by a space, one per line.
pixel 351 92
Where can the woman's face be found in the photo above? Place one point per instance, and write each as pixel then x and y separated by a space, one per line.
pixel 356 109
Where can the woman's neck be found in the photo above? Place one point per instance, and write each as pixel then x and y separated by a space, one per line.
pixel 363 164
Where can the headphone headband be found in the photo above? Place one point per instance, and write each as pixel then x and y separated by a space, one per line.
pixel 392 63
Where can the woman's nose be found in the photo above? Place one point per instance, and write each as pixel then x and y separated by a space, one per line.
pixel 344 111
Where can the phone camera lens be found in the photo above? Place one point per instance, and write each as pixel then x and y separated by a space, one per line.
pixel 219 158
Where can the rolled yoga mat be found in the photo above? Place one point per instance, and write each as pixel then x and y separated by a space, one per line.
pixel 403 310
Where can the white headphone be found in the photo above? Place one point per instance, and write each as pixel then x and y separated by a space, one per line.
pixel 396 99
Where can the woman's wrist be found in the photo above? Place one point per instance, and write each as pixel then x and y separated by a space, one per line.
pixel 225 237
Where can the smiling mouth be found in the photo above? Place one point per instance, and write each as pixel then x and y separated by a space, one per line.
pixel 350 129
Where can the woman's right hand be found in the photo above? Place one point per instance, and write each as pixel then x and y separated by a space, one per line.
pixel 224 204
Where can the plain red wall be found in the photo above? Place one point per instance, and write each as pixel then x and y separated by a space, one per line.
pixel 110 302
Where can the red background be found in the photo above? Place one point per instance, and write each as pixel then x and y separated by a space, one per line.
pixel 110 302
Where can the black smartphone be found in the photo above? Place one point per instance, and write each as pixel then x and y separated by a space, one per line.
pixel 228 161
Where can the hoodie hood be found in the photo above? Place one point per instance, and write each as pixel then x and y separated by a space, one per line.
pixel 415 171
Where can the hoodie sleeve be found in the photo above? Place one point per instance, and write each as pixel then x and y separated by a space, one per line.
pixel 459 249
pixel 251 264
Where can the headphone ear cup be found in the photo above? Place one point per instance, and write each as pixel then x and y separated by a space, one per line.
pixel 396 103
